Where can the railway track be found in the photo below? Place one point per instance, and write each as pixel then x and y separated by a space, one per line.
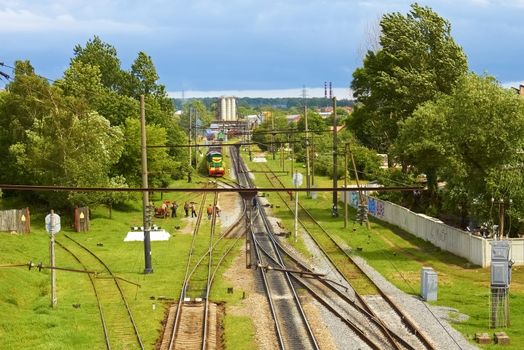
pixel 193 324
pixel 351 272
pixel 118 325
pixel 292 328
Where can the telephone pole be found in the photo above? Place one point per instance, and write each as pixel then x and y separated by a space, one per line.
pixel 145 194
pixel 189 138
pixel 308 175
pixel 335 199
pixel 345 185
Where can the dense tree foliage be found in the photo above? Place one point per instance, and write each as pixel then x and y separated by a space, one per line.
pixel 83 129
pixel 418 59
pixel 473 140
pixel 104 56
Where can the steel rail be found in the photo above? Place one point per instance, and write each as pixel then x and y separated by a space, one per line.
pixel 272 306
pixel 361 333
pixel 269 231
pixel 117 285
pixel 178 312
pixel 209 272
pixel 385 330
pixel 406 320
pixel 413 328
pixel 298 303
pixel 330 284
pixel 100 311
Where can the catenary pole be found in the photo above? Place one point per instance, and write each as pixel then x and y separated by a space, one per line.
pixel 345 185
pixel 308 174
pixel 145 194
pixel 335 199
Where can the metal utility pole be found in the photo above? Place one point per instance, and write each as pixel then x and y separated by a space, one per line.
pixel 292 146
pixel 189 138
pixel 312 161
pixel 297 182
pixel 345 185
pixel 195 138
pixel 282 156
pixel 501 218
pixel 145 195
pixel 335 199
pixel 308 175
pixel 273 135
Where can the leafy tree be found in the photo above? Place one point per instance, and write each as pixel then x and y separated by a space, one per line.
pixel 116 107
pixel 143 80
pixel 315 123
pixel 197 109
pixel 161 167
pixel 422 143
pixel 342 117
pixel 117 197
pixel 104 56
pixel 69 150
pixel 472 139
pixel 486 132
pixel 82 81
pixel 418 59
pixel 29 98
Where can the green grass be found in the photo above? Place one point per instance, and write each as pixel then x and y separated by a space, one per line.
pixel 240 332
pixel 25 295
pixel 399 257
pixel 28 322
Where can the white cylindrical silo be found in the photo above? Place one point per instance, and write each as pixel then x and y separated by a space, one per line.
pixel 233 109
pixel 228 108
pixel 222 108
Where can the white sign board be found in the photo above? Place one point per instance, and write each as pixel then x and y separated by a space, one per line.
pixel 157 235
pixel 297 179
pixel 55 226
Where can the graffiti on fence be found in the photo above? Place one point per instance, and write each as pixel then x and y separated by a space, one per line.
pixel 376 207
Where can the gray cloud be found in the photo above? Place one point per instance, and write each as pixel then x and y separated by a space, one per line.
pixel 249 44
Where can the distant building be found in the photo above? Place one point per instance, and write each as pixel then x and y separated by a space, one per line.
pixel 253 120
pixel 228 109
pixel 293 118
pixel 325 112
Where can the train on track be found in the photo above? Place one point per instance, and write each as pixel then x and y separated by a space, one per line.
pixel 215 163
pixel 214 157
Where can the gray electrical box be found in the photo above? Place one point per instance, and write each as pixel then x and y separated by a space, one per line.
pixel 500 267
pixel 429 284
pixel 422 278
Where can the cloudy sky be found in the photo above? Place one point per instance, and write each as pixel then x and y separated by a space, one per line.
pixel 249 47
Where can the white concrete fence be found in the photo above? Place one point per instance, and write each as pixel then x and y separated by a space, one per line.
pixel 475 249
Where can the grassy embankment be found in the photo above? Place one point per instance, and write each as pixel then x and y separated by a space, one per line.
pixel 399 257
pixel 29 322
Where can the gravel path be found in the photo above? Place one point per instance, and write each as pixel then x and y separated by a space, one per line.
pixel 432 320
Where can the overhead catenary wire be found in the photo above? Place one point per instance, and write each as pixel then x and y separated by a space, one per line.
pixel 192 189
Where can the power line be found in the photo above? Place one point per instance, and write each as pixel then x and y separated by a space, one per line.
pixel 38 75
pixel 192 189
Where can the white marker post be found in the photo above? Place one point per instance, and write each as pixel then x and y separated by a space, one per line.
pixel 297 182
pixel 52 226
